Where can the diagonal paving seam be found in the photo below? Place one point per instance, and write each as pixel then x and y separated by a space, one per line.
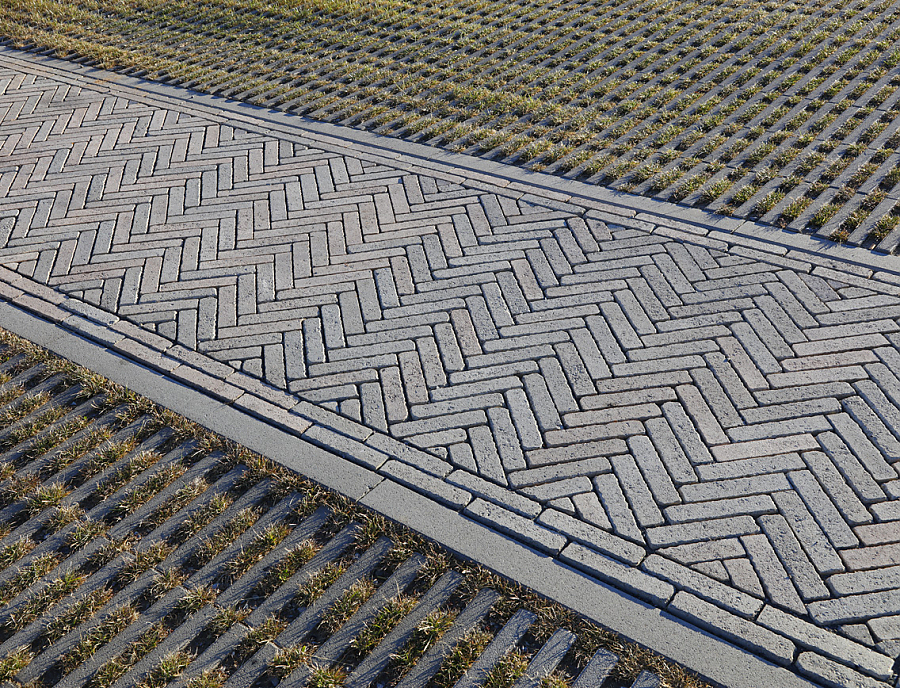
pixel 704 420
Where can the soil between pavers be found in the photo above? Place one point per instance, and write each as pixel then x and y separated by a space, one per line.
pixel 700 419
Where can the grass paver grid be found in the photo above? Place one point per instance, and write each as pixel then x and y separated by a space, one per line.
pixel 232 568
pixel 782 111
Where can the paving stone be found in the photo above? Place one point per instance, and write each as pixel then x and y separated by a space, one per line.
pixel 493 493
pixel 823 556
pixel 833 674
pixel 536 476
pixel 516 526
pixel 607 569
pixel 878 533
pixel 620 515
pixel 558 489
pixel 407 454
pixel 830 480
pixel 670 451
pixel 738 630
pixel 803 574
pixel 827 643
pixel 721 489
pixel 663 536
pixel 426 483
pixel 774 578
pixel 767 447
pixel 345 446
pixel 703 586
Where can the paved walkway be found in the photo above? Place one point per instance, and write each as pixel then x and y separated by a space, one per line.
pixel 700 412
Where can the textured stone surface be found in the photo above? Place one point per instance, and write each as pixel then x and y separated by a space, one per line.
pixel 582 380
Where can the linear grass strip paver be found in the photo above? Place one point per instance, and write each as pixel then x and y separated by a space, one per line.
pixel 176 620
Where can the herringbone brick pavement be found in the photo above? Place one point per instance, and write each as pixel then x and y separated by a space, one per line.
pixel 715 429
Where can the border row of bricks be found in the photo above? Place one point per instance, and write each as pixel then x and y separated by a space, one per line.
pixel 420 471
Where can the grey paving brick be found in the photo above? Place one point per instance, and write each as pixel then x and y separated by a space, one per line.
pixel 840 344
pixel 636 491
pixel 653 471
pixel 875 415
pixel 700 413
pixel 823 556
pixel 641 382
pixel 702 586
pixel 541 403
pixel 414 457
pixel 613 500
pixel 803 574
pixel 736 629
pixel 775 429
pixel 634 581
pixel 754 505
pixel 423 482
pixel 745 366
pixel 659 365
pixel 693 553
pixel 516 526
pixel 803 393
pixel 717 398
pixel 833 674
pixel 557 490
pixel 612 414
pixel 605 340
pixel 591 433
pixel 638 397
pixel 506 438
pixel 743 576
pixel 438 441
pixel 851 469
pixel 687 435
pixel 443 422
pixel 722 489
pixel 853 330
pixel 493 493
pixel 771 573
pixel 557 385
pixel 487 456
pixel 588 508
pixel 455 405
pixel 878 533
pixel 762 359
pixel 413 378
pixel 536 476
pixel 670 451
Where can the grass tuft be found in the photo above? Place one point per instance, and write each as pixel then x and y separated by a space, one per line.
pixel 14 662
pixel 386 618
pixel 210 678
pixel 169 667
pixel 347 605
pixel 288 659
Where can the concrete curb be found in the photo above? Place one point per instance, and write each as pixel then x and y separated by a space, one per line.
pixel 712 658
